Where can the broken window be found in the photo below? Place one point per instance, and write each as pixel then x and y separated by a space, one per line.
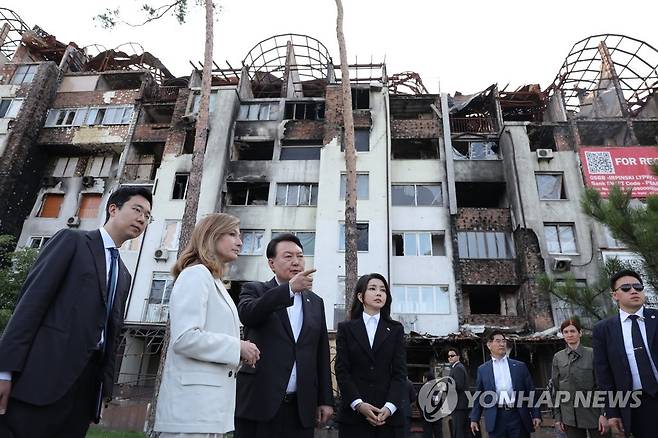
pixel 50 205
pixel 9 108
pixel 480 195
pixel 418 244
pixel 111 115
pixel 362 186
pixel 304 150
pixel 157 114
pixel 306 238
pixel 240 193
pixel 560 238
pixel 37 242
pixel 416 195
pixel 252 242
pixel 485 245
pixel 550 186
pixel 259 111
pixel 361 140
pixel 414 149
pixel 99 166
pixel 66 117
pixel 483 300
pixel 161 287
pixel 212 103
pixel 171 234
pixel 361 240
pixel 475 150
pixel 89 204
pixel 427 299
pixel 297 194
pixel 24 74
pixel 304 111
pixel 360 98
pixel 180 186
pixel 253 150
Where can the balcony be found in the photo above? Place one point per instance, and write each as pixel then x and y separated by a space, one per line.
pixel 495 320
pixel 151 132
pixel 155 313
pixel 472 125
pixel 501 272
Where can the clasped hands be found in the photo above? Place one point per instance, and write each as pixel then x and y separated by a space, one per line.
pixel 249 353
pixel 374 416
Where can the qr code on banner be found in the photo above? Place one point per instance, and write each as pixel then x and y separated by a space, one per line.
pixel 599 162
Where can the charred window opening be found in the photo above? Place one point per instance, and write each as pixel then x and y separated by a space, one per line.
pixel 300 150
pixel 541 137
pixel 646 133
pixel 415 149
pixel 483 300
pixel 242 193
pixel 475 150
pixel 188 143
pixel 253 150
pixel 418 243
pixel 602 133
pixel 473 113
pixel 412 107
pixel 143 161
pixel 360 98
pixel 156 114
pixel 526 104
pixel 120 81
pixel 304 111
pixel 180 186
pixel 481 195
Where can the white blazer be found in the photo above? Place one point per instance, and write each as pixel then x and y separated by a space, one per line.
pixel 197 393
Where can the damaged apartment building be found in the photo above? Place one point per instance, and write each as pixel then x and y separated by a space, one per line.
pixel 462 200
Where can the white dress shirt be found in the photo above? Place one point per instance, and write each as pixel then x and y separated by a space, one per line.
pixel 107 243
pixel 503 379
pixel 371 322
pixel 296 317
pixel 626 326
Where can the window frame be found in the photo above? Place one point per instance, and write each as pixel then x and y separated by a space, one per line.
pixel 481 241
pixel 30 70
pixel 247 195
pixel 557 226
pixel 563 191
pixel 187 184
pixel 342 186
pixel 417 237
pixel 274 233
pixel 253 232
pixel 44 199
pixel 415 186
pixel 418 307
pixel 341 236
pixel 13 108
pixel 41 239
pixel 312 201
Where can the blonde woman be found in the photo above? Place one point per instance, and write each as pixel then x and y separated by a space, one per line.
pixel 197 393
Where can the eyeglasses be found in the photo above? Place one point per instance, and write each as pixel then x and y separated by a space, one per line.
pixel 626 287
pixel 452 355
pixel 139 212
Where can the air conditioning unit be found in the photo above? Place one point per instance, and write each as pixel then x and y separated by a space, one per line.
pixel 49 181
pixel 73 221
pixel 88 181
pixel 544 154
pixel 561 264
pixel 189 117
pixel 161 254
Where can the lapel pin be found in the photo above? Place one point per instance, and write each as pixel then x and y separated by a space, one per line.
pixel 307 300
pixel 653 316
pixel 388 329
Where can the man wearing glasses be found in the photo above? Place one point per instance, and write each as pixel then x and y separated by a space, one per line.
pixel 626 356
pixel 459 416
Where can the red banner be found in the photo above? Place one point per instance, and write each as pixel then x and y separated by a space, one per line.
pixel 628 167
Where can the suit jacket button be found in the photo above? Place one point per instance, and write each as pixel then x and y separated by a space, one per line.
pixel 372 368
pixel 230 373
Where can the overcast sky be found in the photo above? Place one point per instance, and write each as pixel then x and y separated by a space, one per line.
pixel 457 45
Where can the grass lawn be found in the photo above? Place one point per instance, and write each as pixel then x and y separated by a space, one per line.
pixel 100 433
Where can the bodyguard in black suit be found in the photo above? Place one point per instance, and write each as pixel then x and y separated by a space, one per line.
pixel 289 389
pixel 459 417
pixel 371 367
pixel 626 356
pixel 57 352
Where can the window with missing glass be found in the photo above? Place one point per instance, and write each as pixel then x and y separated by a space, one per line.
pixel 550 186
pixel 252 242
pixel 362 182
pixel 180 186
pixel 240 193
pixel 423 299
pixel 418 243
pixel 296 194
pixel 38 242
pixel 306 238
pixel 259 111
pixel 361 240
pixel 485 245
pixel 161 286
pixel 475 150
pixel 416 195
pixel 560 238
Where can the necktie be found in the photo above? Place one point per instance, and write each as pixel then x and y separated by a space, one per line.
pixel 647 378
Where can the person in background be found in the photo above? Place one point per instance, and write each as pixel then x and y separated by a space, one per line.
pixel 573 371
pixel 431 429
pixel 410 399
pixel 460 427
pixel 197 393
pixel 371 367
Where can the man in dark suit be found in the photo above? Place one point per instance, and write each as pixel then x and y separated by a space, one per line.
pixel 626 356
pixel 289 389
pixel 58 351
pixel 459 417
pixel 512 415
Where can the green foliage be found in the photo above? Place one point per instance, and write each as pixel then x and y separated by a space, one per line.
pixel 14 267
pixel 111 17
pixel 633 223
pixel 591 302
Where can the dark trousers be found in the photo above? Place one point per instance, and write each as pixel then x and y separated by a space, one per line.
pixel 365 430
pixel 432 430
pixel 644 418
pixel 508 425
pixel 68 417
pixel 285 424
pixel 577 432
pixel 460 424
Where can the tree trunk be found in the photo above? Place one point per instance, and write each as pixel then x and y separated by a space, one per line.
pixel 351 260
pixel 194 182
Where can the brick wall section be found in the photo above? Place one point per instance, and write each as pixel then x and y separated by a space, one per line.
pixel 23 162
pixel 303 130
pixel 488 272
pixel 149 132
pixel 91 135
pixel 415 129
pixel 333 114
pixel 75 99
pixel 177 130
pixel 483 219
pixel 496 320
pixel 7 72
